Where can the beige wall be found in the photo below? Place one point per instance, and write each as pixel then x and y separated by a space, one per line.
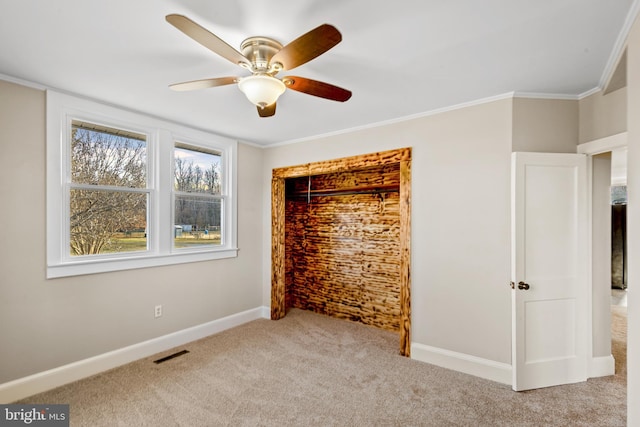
pixel 633 226
pixel 48 323
pixel 461 300
pixel 603 115
pixel 545 125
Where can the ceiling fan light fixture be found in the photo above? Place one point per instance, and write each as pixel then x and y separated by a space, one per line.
pixel 261 90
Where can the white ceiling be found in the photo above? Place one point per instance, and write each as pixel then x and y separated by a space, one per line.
pixel 399 58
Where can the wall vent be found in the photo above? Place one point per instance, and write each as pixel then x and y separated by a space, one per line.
pixel 171 356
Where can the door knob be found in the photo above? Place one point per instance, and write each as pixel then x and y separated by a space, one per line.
pixel 523 286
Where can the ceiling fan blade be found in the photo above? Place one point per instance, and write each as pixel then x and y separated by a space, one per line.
pixel 203 84
pixel 307 46
pixel 316 88
pixel 267 111
pixel 207 39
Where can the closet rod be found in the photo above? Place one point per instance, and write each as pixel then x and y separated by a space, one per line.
pixel 347 191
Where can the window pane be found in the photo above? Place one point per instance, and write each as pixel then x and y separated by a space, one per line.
pixel 104 222
pixel 197 221
pixel 106 156
pixel 196 171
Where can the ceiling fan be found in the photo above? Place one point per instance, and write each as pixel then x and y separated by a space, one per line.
pixel 264 58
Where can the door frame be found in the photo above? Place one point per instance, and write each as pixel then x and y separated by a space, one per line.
pixel 401 156
pixel 601 366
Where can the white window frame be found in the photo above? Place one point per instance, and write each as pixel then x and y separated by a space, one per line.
pixel 161 138
pixel 222 196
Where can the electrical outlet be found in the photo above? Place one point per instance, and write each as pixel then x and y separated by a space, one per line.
pixel 158 312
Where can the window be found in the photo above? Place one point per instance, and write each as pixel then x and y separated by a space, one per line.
pixel 129 191
pixel 197 201
pixel 108 193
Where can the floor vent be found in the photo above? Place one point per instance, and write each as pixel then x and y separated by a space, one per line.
pixel 171 356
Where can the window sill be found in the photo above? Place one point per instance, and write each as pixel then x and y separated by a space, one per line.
pixel 78 268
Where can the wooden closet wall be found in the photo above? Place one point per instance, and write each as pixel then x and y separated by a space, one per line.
pixel 340 243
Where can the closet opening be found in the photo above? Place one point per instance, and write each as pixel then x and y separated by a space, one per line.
pixel 341 240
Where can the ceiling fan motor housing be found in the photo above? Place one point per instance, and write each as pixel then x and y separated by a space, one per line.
pixel 260 50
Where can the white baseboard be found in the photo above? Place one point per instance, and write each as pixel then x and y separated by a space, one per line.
pixel 266 312
pixel 472 365
pixel 602 366
pixel 488 369
pixel 47 380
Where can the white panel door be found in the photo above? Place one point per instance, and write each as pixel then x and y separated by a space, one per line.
pixel 549 261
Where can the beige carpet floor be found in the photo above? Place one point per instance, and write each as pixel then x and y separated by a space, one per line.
pixel 311 370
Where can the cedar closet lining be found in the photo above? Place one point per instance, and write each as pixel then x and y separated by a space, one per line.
pixel 342 245
pixel 341 240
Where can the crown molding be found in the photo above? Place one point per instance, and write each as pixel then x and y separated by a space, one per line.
pixel 22 82
pixel 620 44
pixel 536 95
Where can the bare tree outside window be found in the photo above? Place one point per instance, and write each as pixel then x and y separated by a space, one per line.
pixel 108 198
